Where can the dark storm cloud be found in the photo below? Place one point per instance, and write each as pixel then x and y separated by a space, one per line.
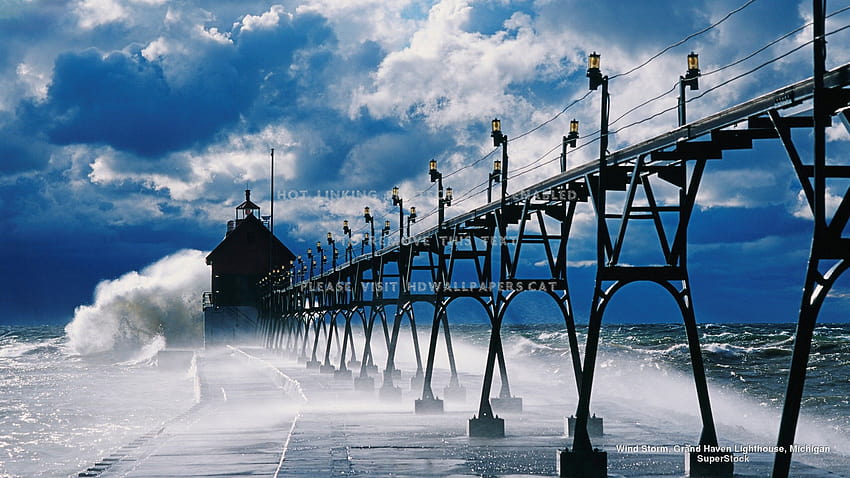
pixel 129 103
pixel 20 149
pixel 125 102
pixel 139 154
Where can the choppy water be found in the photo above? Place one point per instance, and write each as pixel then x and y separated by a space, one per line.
pixel 60 411
pixel 750 359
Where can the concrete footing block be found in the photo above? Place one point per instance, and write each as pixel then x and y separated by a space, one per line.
pixel 428 406
pixel 486 427
pixel 417 382
pixel 390 394
pixel 709 464
pixel 364 384
pixel 582 464
pixel 327 369
pixel 372 369
pixel 344 374
pixel 455 393
pixel 311 364
pixel 594 426
pixel 506 404
pixel 354 364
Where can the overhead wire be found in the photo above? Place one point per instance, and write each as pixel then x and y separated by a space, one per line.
pixel 528 168
pixel 684 40
pixel 533 165
pixel 720 85
pixel 586 95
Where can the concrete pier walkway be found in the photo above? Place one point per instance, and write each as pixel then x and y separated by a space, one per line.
pixel 261 415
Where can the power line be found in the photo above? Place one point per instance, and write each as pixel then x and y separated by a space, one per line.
pixel 575 102
pixel 533 165
pixel 749 72
pixel 683 40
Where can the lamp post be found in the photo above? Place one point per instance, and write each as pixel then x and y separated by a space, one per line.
pixel 290 274
pixel 347 231
pixel 332 243
pixel 385 232
pixel 311 260
pixel 443 198
pixel 594 74
pixel 411 218
pixel 500 139
pixel 398 201
pixel 569 140
pixel 691 80
pixel 320 253
pixel 495 177
pixel 367 216
pixel 301 267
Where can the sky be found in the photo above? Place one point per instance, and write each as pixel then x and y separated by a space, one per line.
pixel 129 129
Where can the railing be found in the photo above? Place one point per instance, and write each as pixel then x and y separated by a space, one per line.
pixel 208 300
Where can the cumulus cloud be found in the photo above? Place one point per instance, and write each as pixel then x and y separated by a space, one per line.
pixel 268 20
pixel 94 13
pixel 162 112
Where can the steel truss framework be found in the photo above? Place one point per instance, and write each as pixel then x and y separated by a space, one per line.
pixel 299 317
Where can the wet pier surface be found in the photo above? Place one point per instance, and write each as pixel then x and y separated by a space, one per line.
pixel 262 415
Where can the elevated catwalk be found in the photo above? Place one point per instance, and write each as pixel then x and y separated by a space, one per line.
pixel 260 415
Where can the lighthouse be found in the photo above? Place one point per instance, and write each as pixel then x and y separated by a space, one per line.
pixel 246 254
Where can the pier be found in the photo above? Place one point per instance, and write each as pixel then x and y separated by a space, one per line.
pixel 260 414
pixel 309 307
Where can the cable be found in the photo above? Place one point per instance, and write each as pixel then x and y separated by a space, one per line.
pixel 680 42
pixel 471 164
pixel 729 65
pixel 645 103
pixel 793 50
pixel 836 31
pixel 518 170
pixel 582 146
pixel 533 165
pixel 575 102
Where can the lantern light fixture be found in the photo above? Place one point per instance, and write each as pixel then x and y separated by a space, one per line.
pixel 572 136
pixel 498 137
pixel 692 76
pixel 594 74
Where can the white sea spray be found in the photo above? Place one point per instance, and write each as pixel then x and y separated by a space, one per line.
pixel 161 300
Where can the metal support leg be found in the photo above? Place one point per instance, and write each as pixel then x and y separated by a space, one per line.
pixel 365 383
pixel 314 362
pixel 454 391
pixel 418 380
pixel 344 373
pixel 583 460
pixel 817 287
pixel 486 424
pixel 505 402
pixel 388 390
pixel 428 403
pixel 327 366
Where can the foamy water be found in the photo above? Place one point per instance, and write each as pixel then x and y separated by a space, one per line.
pixel 69 397
pixel 60 411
